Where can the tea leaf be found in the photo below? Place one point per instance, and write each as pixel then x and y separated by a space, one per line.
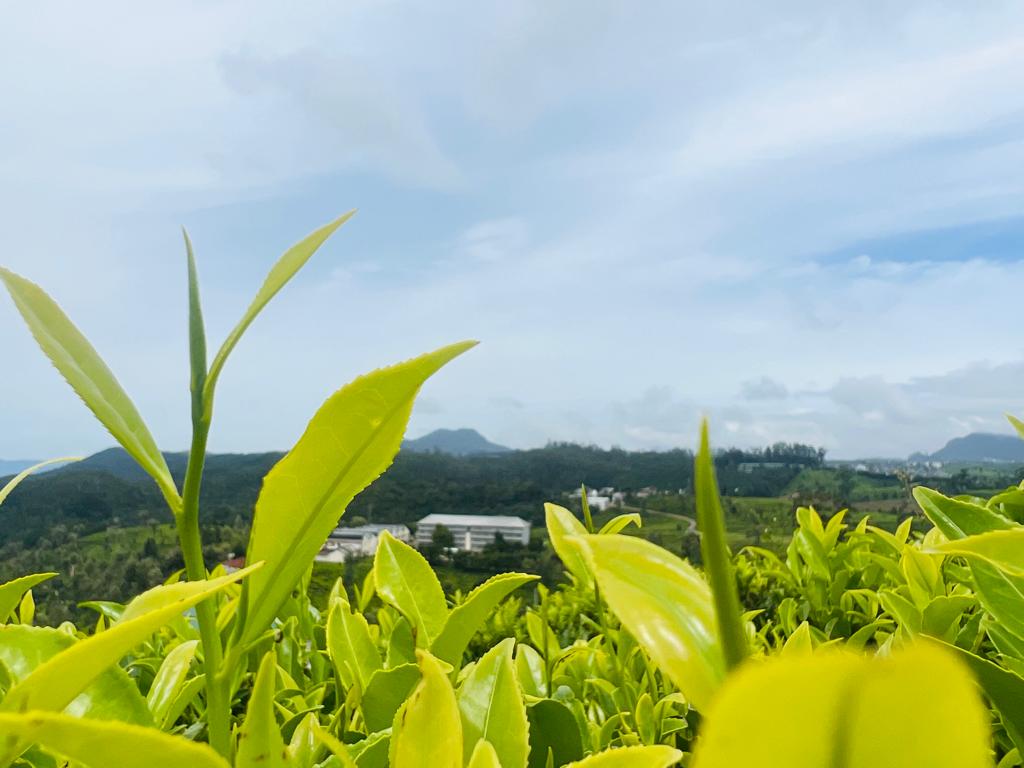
pixel 492 708
pixel 1003 549
pixel 106 744
pixel 284 270
pixel 465 619
pixel 111 695
pixel 619 522
pixel 1004 688
pixel 562 523
pixel 484 756
pixel 385 692
pixel 259 740
pixel 27 608
pixel 350 441
pixel 665 604
pixel 169 680
pixel 1001 594
pixel 304 744
pixel 839 708
pixel 76 360
pixel 717 559
pixel 957 519
pixel 554 730
pixel 406 581
pixel 427 729
pixel 350 646
pixel 196 327
pixel 12 591
pixel 185 697
pixel 372 752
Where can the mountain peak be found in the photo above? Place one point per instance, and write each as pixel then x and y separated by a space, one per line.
pixel 982 447
pixel 457 442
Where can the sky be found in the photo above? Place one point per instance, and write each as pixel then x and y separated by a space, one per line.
pixel 805 220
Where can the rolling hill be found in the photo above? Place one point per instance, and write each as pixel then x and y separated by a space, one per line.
pixel 455 442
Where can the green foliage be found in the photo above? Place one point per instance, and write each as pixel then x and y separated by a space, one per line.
pixel 846 643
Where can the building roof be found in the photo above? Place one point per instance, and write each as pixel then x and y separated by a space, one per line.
pixel 368 528
pixel 502 521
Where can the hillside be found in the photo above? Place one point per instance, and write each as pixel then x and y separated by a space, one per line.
pixel 107 489
pixel 979 447
pixel 456 442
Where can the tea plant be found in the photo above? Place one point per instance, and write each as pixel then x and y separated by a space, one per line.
pixel 860 647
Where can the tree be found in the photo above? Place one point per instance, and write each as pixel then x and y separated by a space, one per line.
pixel 442 538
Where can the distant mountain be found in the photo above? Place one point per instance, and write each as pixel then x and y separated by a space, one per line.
pixel 117 462
pixel 981 447
pixel 455 442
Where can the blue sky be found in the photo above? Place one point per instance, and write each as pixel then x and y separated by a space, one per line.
pixel 803 220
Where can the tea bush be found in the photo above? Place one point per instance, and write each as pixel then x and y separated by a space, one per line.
pixel 860 647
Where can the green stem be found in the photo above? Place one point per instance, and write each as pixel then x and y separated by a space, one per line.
pixel 218 699
pixel 217 707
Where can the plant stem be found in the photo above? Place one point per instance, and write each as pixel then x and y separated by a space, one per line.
pixel 217 707
pixel 218 704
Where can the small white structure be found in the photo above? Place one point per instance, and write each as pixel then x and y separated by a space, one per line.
pixel 473 532
pixel 359 540
pixel 599 501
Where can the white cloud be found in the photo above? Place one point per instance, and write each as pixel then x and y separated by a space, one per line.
pixel 493 240
pixel 764 388
pixel 632 207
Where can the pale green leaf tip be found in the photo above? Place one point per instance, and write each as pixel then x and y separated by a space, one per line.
pixel 451 351
pixel 334 225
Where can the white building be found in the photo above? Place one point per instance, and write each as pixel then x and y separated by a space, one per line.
pixel 473 532
pixel 359 540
